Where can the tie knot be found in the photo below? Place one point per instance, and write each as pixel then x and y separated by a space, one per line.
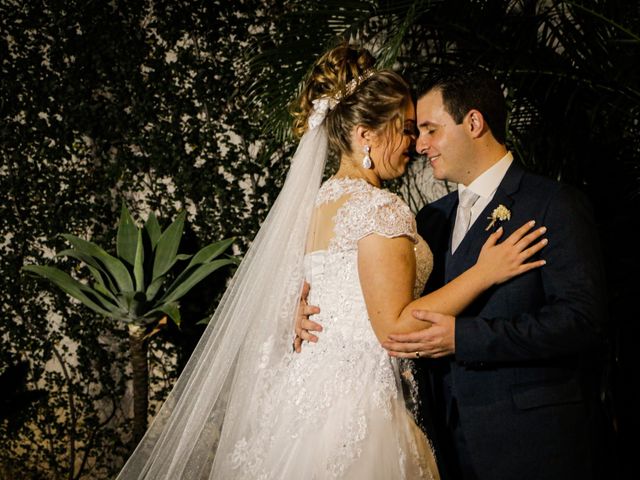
pixel 467 198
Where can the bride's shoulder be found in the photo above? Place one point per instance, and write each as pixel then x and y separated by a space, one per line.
pixel 386 197
pixel 367 209
pixel 335 188
pixel 360 191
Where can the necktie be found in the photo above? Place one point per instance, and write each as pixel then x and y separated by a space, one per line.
pixel 463 217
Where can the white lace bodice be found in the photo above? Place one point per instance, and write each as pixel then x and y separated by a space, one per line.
pixel 373 210
pixel 340 397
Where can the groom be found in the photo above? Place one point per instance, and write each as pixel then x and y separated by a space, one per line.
pixel 511 384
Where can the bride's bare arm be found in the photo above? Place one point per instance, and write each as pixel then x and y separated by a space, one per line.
pixel 387 271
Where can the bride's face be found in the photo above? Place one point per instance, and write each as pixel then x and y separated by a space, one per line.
pixel 391 152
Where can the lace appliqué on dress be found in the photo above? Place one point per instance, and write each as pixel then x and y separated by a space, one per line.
pixel 373 210
pixel 368 210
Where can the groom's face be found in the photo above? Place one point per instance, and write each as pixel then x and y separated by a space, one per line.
pixel 441 139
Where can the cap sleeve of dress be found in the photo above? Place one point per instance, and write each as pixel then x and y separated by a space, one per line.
pixel 386 214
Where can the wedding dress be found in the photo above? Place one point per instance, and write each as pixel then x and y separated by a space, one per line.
pixel 336 410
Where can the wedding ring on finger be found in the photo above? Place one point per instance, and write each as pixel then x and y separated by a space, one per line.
pixel 417 354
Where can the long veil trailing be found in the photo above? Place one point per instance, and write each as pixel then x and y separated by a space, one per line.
pixel 250 331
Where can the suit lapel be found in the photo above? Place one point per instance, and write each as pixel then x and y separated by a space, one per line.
pixel 450 211
pixel 467 252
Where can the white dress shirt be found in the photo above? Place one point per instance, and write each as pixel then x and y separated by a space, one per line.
pixel 486 185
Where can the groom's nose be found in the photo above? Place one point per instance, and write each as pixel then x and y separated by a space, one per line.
pixel 421 145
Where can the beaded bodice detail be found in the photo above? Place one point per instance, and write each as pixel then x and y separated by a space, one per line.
pixel 341 393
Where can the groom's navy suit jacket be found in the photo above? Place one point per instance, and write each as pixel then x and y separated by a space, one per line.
pixel 523 380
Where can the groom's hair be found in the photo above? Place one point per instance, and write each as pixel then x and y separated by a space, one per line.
pixel 465 88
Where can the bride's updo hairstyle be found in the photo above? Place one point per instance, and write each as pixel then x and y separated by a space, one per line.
pixel 377 102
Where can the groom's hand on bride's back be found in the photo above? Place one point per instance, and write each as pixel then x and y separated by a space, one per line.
pixel 304 326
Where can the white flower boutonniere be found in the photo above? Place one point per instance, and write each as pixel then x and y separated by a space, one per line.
pixel 501 213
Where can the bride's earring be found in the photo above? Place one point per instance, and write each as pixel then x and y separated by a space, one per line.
pixel 366 161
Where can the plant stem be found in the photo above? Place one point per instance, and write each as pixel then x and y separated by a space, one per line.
pixel 140 368
pixel 72 414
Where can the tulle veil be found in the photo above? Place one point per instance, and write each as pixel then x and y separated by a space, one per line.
pixel 250 331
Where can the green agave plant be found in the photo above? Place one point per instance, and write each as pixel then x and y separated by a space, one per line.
pixel 139 286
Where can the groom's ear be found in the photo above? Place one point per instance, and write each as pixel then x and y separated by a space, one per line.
pixel 474 123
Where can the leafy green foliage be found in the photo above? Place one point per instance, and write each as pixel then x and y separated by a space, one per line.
pixel 119 288
pixel 119 291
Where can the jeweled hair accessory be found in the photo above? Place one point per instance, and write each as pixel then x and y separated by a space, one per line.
pixel 353 84
pixel 323 105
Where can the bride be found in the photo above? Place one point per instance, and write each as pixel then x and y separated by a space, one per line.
pixel 247 406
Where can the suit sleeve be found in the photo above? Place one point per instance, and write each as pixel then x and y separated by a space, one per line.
pixel 571 317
